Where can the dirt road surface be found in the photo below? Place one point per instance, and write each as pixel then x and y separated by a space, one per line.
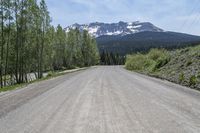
pixel 105 99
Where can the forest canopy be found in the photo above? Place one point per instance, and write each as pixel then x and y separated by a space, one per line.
pixel 30 44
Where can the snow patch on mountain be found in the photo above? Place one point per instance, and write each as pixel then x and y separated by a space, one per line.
pixel 122 28
pixel 92 30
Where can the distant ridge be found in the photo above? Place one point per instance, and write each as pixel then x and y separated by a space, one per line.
pixel 129 37
pixel 121 28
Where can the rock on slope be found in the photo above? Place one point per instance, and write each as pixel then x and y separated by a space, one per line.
pixel 184 67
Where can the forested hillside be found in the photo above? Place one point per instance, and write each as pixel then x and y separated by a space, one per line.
pixel 30 44
pixel 144 41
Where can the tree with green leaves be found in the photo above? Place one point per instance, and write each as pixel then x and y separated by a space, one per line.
pixel 30 44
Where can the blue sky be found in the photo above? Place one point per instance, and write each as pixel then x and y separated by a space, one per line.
pixel 171 15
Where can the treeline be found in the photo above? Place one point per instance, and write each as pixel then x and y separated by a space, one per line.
pixel 111 59
pixel 29 44
pixel 144 41
pixel 74 49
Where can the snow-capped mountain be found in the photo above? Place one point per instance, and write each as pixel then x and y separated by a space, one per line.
pixel 122 28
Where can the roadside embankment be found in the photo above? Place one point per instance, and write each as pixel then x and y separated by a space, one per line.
pixel 181 66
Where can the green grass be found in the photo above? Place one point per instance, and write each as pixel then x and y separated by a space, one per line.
pixel 50 75
pixel 12 87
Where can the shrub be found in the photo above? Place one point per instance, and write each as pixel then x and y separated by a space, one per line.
pixel 188 63
pixel 150 62
pixel 135 62
pixel 149 65
pixel 154 54
pixel 161 62
pixel 50 74
pixel 160 56
pixel 181 77
pixel 198 75
pixel 192 80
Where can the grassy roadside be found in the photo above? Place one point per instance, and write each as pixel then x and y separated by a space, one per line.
pixel 49 76
pixel 181 66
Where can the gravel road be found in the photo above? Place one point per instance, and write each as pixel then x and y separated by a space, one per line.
pixel 105 99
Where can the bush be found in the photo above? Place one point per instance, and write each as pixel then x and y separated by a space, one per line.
pixel 155 54
pixel 149 62
pixel 135 62
pixel 198 75
pixel 50 74
pixel 150 65
pixel 160 56
pixel 161 62
pixel 188 63
pixel 193 80
pixel 181 77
